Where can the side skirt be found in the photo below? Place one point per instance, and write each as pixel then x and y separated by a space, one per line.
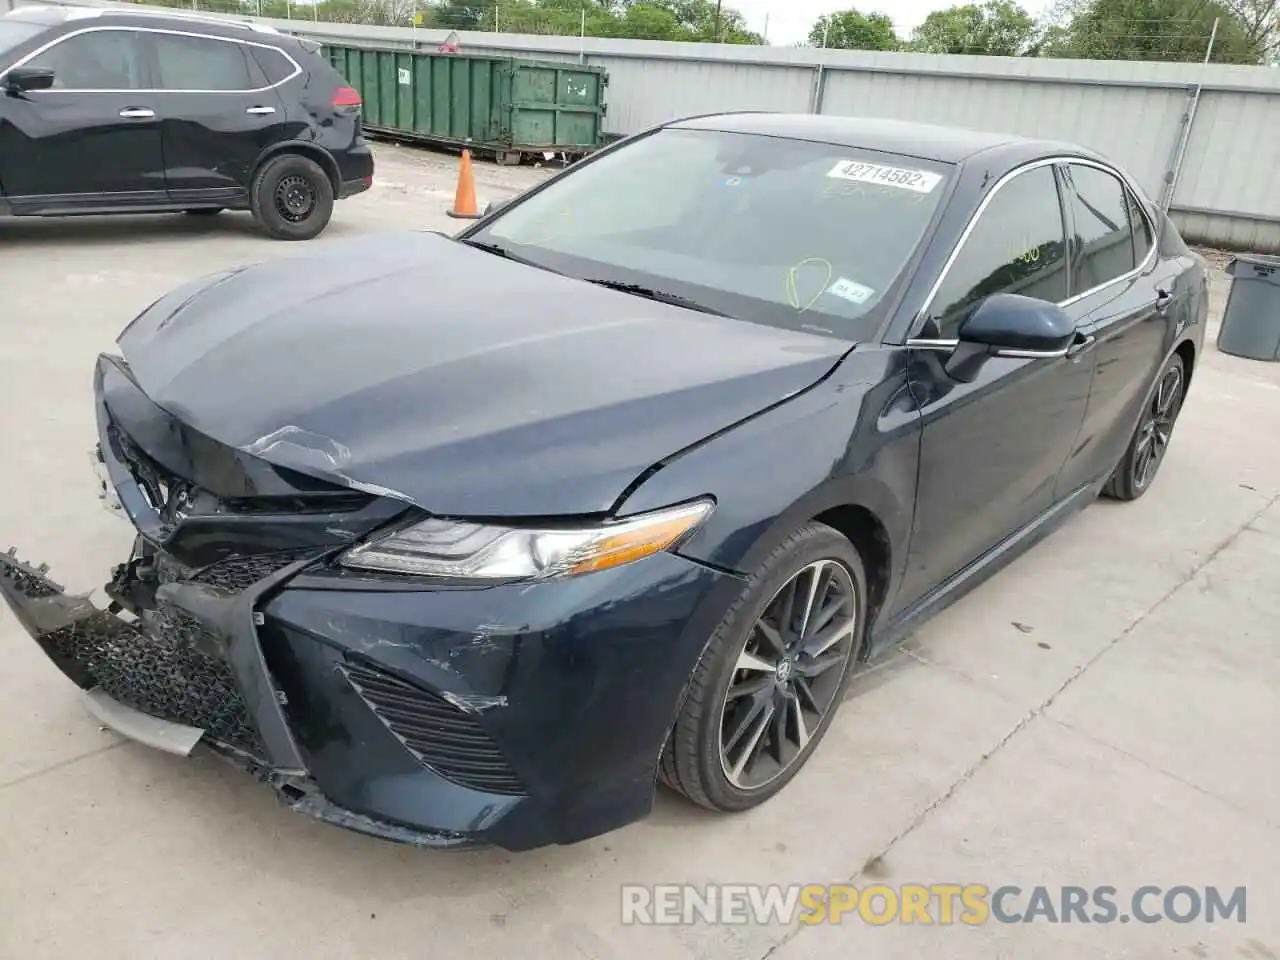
pixel 980 570
pixel 95 204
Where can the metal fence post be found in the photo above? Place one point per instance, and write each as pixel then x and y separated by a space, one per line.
pixel 820 74
pixel 1174 172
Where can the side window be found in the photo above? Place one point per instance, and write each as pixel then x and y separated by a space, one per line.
pixel 1017 245
pixel 97 60
pixel 274 64
pixel 198 63
pixel 1103 242
pixel 1143 240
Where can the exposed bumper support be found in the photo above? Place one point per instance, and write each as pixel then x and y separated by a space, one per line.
pixel 176 738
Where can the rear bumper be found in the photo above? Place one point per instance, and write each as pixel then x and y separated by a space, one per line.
pixel 350 188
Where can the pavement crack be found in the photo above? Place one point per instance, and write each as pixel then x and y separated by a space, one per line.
pixel 61 764
pixel 1156 768
pixel 1034 713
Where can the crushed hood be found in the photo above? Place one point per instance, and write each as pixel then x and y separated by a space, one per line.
pixel 414 366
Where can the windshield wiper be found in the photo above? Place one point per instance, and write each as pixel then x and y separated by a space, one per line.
pixel 661 296
pixel 498 250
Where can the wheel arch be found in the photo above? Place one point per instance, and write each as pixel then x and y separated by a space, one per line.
pixel 1187 351
pixel 309 150
pixel 862 508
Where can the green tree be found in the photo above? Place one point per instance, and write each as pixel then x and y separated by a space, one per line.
pixel 1260 20
pixel 854 30
pixel 997 28
pixel 1174 30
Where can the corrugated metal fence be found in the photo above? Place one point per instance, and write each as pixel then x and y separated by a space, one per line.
pixel 1204 139
pixel 1223 174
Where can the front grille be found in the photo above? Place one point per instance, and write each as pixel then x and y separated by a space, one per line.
pixel 242 572
pixel 173 670
pixel 444 738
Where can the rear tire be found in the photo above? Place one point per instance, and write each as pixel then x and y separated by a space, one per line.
pixel 764 693
pixel 1137 469
pixel 292 197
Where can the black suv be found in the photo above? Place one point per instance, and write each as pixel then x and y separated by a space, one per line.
pixel 108 111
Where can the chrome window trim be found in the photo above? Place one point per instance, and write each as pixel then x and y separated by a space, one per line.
pixel 41 50
pixel 923 312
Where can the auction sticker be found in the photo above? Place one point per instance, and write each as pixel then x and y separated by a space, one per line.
pixel 919 181
pixel 850 290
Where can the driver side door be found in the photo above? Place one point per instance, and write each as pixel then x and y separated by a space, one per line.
pixel 92 140
pixel 991 450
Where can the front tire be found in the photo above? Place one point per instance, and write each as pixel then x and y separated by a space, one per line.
pixel 771 679
pixel 292 197
pixel 1141 461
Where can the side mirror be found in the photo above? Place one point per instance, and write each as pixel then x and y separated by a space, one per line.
pixel 1009 325
pixel 23 79
pixel 496 205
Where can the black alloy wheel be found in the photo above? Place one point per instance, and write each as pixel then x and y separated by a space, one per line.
pixel 772 676
pixel 1146 452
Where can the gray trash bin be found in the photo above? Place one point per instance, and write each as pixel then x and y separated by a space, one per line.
pixel 1251 323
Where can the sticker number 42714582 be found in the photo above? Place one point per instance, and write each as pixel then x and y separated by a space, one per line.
pixel 919 181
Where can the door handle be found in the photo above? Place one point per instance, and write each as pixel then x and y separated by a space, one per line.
pixel 260 111
pixel 1083 344
pixel 1163 299
pixel 137 113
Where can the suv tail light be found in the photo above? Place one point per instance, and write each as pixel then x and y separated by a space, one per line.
pixel 346 97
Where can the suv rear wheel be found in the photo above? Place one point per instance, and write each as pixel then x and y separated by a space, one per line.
pixel 292 197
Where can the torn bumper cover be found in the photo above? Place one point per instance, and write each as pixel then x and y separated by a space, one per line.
pixel 436 714
pixel 166 681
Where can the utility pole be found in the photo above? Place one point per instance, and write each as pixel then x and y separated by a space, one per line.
pixel 1213 35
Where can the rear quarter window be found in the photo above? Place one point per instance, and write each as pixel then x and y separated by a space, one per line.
pixel 275 66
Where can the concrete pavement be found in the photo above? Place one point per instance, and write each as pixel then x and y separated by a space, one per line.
pixel 1106 711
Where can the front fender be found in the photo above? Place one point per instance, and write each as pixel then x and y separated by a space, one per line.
pixel 852 441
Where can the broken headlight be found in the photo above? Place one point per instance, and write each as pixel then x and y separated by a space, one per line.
pixel 475 551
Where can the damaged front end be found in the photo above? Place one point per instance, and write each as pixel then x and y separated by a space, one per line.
pixel 174 659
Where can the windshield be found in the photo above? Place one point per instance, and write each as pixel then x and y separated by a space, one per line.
pixel 782 232
pixel 15 32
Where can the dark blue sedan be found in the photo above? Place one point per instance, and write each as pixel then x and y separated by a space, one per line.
pixel 476 539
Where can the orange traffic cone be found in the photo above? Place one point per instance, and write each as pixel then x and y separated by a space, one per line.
pixel 464 201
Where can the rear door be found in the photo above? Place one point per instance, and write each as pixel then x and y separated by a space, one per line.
pixel 218 111
pixel 91 141
pixel 1120 284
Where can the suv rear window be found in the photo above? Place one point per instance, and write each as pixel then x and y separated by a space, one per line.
pixel 197 63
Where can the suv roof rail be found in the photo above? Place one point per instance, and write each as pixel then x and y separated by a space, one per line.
pixel 129 9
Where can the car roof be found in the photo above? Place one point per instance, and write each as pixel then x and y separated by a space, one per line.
pixel 52 16
pixel 923 140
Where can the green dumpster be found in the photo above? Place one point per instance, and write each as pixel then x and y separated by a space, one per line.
pixel 500 105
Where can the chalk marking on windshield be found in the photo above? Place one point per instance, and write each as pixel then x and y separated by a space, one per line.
pixel 902 178
pixel 793 290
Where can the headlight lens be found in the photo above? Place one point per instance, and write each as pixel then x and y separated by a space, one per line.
pixel 472 551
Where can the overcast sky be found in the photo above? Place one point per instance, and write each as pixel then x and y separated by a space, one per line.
pixel 790 20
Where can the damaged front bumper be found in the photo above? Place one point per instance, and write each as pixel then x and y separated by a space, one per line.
pixel 436 714
pixel 165 680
